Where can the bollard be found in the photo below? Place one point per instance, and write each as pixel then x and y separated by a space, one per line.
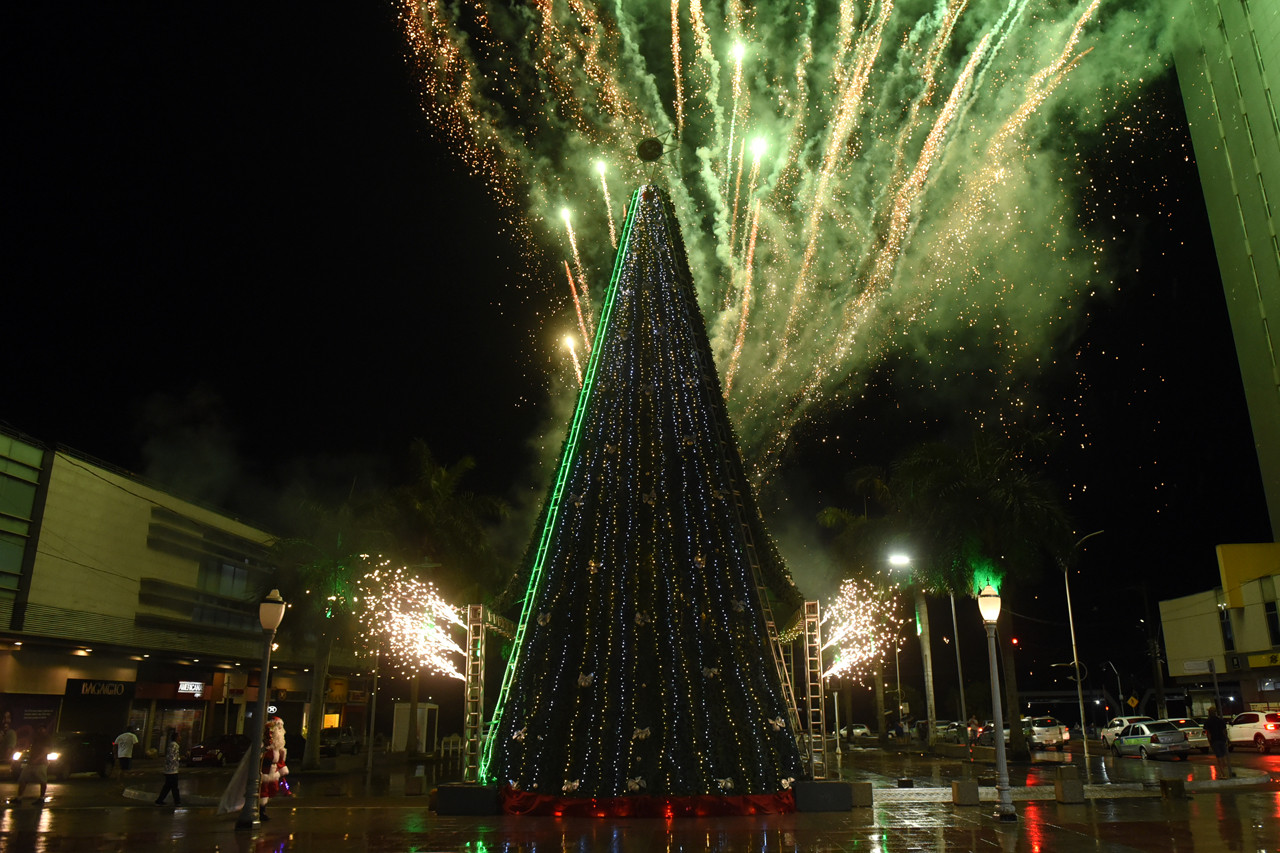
pixel 964 792
pixel 906 783
pixel 862 797
pixel 1173 789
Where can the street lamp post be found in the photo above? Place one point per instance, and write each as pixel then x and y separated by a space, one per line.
pixel 926 649
pixel 989 607
pixel 270 613
pixel 1075 658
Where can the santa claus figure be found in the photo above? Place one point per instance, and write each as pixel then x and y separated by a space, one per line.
pixel 273 767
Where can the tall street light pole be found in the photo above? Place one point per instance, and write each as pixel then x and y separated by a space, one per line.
pixel 926 650
pixel 1075 656
pixel 989 607
pixel 955 630
pixel 270 613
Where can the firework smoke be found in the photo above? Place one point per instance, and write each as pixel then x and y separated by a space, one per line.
pixel 915 194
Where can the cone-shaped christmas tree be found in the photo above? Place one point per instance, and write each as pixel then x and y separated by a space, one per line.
pixel 642 681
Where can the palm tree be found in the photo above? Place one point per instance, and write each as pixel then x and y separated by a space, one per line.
pixel 445 529
pixel 966 507
pixel 318 570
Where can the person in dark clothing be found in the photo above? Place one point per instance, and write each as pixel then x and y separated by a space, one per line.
pixel 172 758
pixel 1215 729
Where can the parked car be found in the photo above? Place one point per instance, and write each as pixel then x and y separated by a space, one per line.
pixel 1259 728
pixel 71 752
pixel 1114 727
pixel 1194 731
pixel 1046 733
pixel 1150 739
pixel 986 735
pixel 218 750
pixel 338 740
pixel 953 732
pixel 855 730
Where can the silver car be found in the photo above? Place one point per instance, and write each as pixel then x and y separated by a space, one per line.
pixel 1151 739
pixel 1045 733
pixel 1195 732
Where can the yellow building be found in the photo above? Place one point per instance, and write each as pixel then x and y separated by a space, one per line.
pixel 1231 632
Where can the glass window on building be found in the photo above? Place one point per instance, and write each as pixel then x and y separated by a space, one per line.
pixel 1228 636
pixel 1273 623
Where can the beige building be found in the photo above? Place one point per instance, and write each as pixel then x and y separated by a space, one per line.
pixel 121 603
pixel 1232 632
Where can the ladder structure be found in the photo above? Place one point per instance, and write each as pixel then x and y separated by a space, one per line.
pixel 817 705
pixel 480 620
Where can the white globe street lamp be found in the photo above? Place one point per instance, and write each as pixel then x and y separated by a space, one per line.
pixel 989 607
pixel 270 614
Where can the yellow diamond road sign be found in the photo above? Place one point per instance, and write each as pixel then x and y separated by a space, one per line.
pixel 1132 702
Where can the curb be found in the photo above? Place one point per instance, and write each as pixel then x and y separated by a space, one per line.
pixel 1244 778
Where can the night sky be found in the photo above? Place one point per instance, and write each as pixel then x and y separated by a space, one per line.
pixel 236 255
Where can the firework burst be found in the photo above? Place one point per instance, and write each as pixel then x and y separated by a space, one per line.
pixel 915 197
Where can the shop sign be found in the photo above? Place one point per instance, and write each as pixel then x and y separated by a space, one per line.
pixel 94 687
pixel 193 688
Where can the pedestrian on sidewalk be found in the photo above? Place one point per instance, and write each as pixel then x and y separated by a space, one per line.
pixel 172 759
pixel 8 737
pixel 1215 729
pixel 37 767
pixel 124 744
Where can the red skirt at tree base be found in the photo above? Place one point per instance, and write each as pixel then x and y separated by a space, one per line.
pixel 642 805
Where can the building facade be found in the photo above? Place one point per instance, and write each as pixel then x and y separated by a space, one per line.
pixel 1229 71
pixel 1231 633
pixel 122 604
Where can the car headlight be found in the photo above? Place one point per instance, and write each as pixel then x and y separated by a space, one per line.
pixel 53 756
pixel 17 756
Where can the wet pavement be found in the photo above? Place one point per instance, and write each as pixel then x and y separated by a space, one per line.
pixel 344 808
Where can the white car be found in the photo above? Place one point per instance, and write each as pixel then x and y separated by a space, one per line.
pixel 1045 733
pixel 855 730
pixel 1261 729
pixel 1113 728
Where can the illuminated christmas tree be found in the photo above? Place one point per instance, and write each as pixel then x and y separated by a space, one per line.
pixel 642 681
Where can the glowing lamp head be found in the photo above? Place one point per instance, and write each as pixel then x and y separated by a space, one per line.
pixel 989 604
pixel 899 560
pixel 271 611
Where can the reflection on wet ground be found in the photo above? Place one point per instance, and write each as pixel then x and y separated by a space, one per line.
pixel 1245 822
pixel 347 809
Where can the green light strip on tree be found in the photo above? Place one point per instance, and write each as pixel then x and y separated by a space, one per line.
pixel 553 511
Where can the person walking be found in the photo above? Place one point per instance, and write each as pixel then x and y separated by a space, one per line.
pixel 37 767
pixel 172 758
pixel 124 744
pixel 8 737
pixel 1215 729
